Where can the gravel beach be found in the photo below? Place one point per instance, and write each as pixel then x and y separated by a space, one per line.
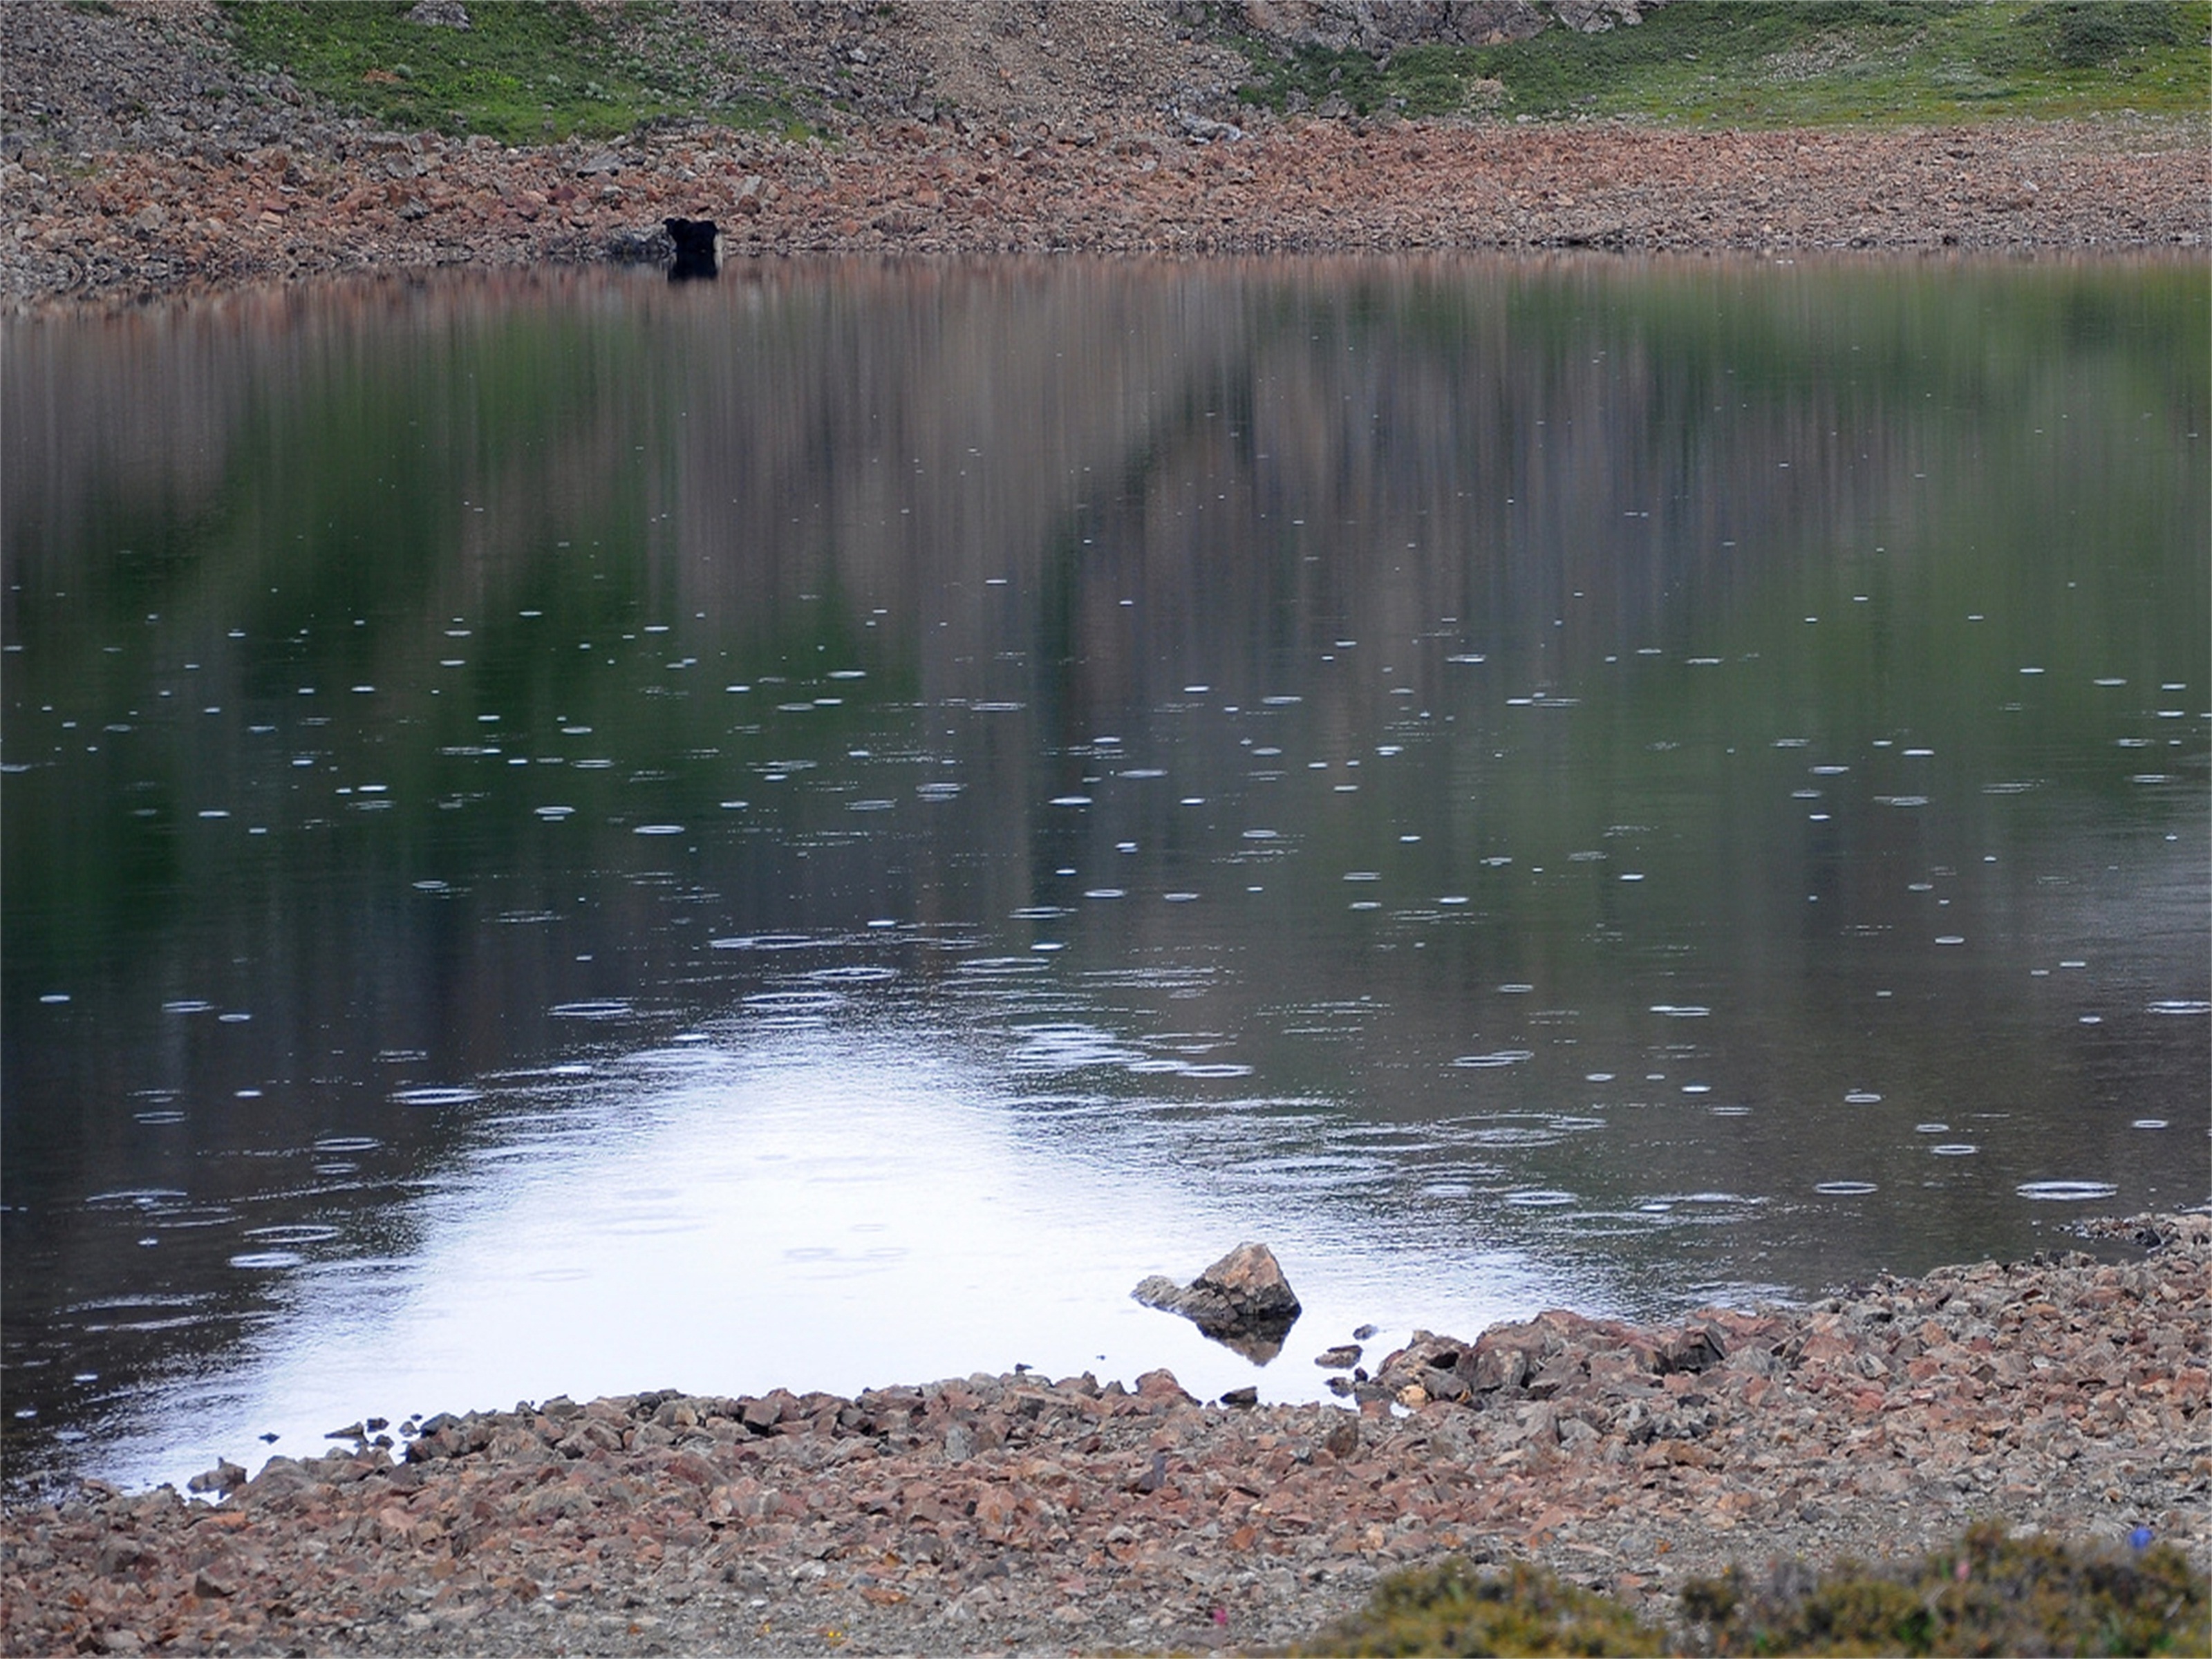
pixel 124 223
pixel 1018 1513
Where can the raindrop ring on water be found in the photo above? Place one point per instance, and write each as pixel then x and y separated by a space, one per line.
pixel 2066 1191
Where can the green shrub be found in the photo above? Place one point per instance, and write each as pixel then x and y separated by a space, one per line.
pixel 1990 1593
pixel 2082 34
pixel 1452 1609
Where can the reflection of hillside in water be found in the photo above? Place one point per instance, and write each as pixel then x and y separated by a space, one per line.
pixel 1034 504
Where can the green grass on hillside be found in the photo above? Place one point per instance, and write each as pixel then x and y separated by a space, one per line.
pixel 524 71
pixel 1776 63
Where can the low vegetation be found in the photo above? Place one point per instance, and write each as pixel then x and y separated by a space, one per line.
pixel 1813 63
pixel 1454 1608
pixel 1989 1593
pixel 524 71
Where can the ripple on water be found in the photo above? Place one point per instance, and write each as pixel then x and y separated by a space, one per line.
pixel 859 974
pixel 2179 1005
pixel 1501 1057
pixel 767 942
pixel 794 1002
pixel 1539 1198
pixel 1514 1129
pixel 1000 967
pixel 1844 1188
pixel 1309 1171
pixel 438 1097
pixel 610 1008
pixel 1703 1208
pixel 1068 1046
pixel 267 1260
pixel 154 1312
pixel 142 1197
pixel 292 1233
pixel 339 1144
pixel 2066 1191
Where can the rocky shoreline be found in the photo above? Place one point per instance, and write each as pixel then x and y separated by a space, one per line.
pixel 139 156
pixel 123 224
pixel 2066 1394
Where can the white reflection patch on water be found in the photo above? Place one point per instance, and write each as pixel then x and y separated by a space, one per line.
pixel 810 1210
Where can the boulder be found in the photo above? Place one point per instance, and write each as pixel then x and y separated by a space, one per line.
pixel 440 14
pixel 1242 1301
pixel 698 244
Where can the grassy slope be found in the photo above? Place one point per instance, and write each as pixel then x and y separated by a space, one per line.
pixel 524 71
pixel 1773 62
pixel 530 71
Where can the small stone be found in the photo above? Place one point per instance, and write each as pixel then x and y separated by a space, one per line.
pixel 226 1476
pixel 440 14
pixel 1342 1358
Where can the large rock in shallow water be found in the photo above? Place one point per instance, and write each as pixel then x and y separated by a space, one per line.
pixel 1242 1301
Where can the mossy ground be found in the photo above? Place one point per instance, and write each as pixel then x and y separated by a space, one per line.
pixel 1764 62
pixel 1990 1593
pixel 524 71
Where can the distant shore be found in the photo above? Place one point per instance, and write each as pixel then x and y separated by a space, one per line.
pixel 124 224
pixel 992 1513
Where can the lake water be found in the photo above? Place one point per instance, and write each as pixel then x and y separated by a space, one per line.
pixel 568 834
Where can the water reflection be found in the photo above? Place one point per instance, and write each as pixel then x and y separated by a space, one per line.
pixel 759 1210
pixel 1516 783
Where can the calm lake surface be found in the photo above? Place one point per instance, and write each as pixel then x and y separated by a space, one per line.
pixel 571 835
